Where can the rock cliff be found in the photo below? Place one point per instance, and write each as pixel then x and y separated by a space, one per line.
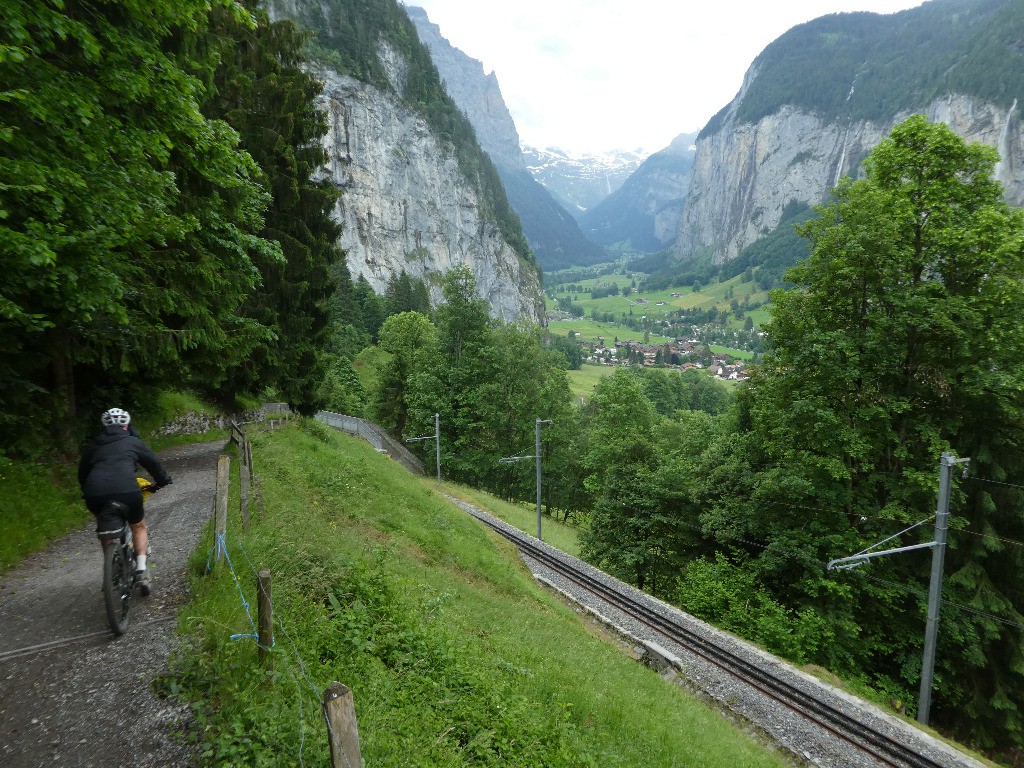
pixel 554 235
pixel 643 214
pixel 406 206
pixel 744 174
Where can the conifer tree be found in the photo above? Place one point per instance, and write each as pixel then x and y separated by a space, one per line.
pixel 263 92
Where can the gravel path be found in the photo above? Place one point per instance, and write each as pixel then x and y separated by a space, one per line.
pixel 72 694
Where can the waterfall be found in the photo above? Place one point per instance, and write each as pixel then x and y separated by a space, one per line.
pixel 846 137
pixel 1004 142
pixel 842 159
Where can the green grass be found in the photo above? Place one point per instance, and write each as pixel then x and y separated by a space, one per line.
pixel 583 381
pixel 368 365
pixel 38 503
pixel 590 331
pixel 454 654
pixel 521 516
pixel 739 354
pixel 714 294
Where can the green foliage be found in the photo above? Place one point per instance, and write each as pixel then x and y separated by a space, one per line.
pixel 38 502
pixel 863 66
pixel 488 382
pixel 159 223
pixel 263 92
pixel 731 597
pixel 132 222
pixel 453 654
pixel 898 343
pixel 569 349
pixel 342 391
pixel 405 294
pixel 410 338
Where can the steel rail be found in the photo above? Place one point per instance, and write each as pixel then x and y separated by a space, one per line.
pixel 859 735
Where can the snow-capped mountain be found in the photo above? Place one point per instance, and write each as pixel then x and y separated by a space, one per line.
pixel 581 181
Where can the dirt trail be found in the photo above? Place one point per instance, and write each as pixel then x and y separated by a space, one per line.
pixel 72 694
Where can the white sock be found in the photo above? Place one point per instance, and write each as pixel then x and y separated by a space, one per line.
pixel 140 562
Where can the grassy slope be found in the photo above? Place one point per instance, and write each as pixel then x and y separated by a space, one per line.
pixel 583 381
pixel 455 655
pixel 521 516
pixel 38 503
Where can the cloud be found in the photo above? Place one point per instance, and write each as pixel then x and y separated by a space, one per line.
pixel 594 75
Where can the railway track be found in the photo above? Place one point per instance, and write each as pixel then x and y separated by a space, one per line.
pixel 863 737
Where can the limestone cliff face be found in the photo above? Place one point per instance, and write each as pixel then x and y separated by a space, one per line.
pixel 554 235
pixel 477 94
pixel 744 174
pixel 405 205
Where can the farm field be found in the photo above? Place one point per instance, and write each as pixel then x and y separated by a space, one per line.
pixel 583 381
pixel 659 304
pixel 591 331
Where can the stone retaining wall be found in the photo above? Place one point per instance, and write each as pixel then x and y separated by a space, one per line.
pixel 194 423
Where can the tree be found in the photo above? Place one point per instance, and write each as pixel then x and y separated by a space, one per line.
pixel 404 294
pixel 902 339
pixel 448 384
pixel 263 92
pixel 621 463
pixel 128 219
pixel 410 338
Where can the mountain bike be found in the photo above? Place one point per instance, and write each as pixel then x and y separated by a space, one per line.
pixel 119 576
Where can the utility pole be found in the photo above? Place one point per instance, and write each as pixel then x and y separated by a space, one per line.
pixel 539 422
pixel 436 437
pixel 924 698
pixel 437 444
pixel 938 547
pixel 536 458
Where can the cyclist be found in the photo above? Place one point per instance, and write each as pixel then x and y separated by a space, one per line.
pixel 106 472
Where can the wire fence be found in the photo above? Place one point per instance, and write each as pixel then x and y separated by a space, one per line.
pixel 334 700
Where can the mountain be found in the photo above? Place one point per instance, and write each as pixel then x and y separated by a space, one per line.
pixel 419 195
pixel 579 182
pixel 816 101
pixel 642 216
pixel 554 236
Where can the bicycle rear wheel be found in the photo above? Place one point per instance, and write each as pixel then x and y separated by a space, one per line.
pixel 117 588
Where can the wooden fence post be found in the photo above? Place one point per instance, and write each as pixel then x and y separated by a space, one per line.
pixel 342 730
pixel 247 453
pixel 265 619
pixel 258 485
pixel 221 510
pixel 243 481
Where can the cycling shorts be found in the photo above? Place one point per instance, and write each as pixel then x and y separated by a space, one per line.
pixel 108 521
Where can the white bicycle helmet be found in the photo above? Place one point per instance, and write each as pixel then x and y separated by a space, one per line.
pixel 116 417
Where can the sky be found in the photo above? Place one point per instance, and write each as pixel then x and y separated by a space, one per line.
pixel 591 76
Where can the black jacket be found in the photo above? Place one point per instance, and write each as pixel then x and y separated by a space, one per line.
pixel 110 462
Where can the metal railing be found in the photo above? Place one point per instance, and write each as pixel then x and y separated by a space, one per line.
pixel 375 436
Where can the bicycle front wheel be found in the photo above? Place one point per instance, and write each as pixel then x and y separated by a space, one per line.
pixel 117 588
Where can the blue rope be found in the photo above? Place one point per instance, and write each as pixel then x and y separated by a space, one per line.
pixel 220 546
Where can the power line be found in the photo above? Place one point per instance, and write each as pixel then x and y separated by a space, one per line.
pixel 996 482
pixel 1014 542
pixel 908 588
